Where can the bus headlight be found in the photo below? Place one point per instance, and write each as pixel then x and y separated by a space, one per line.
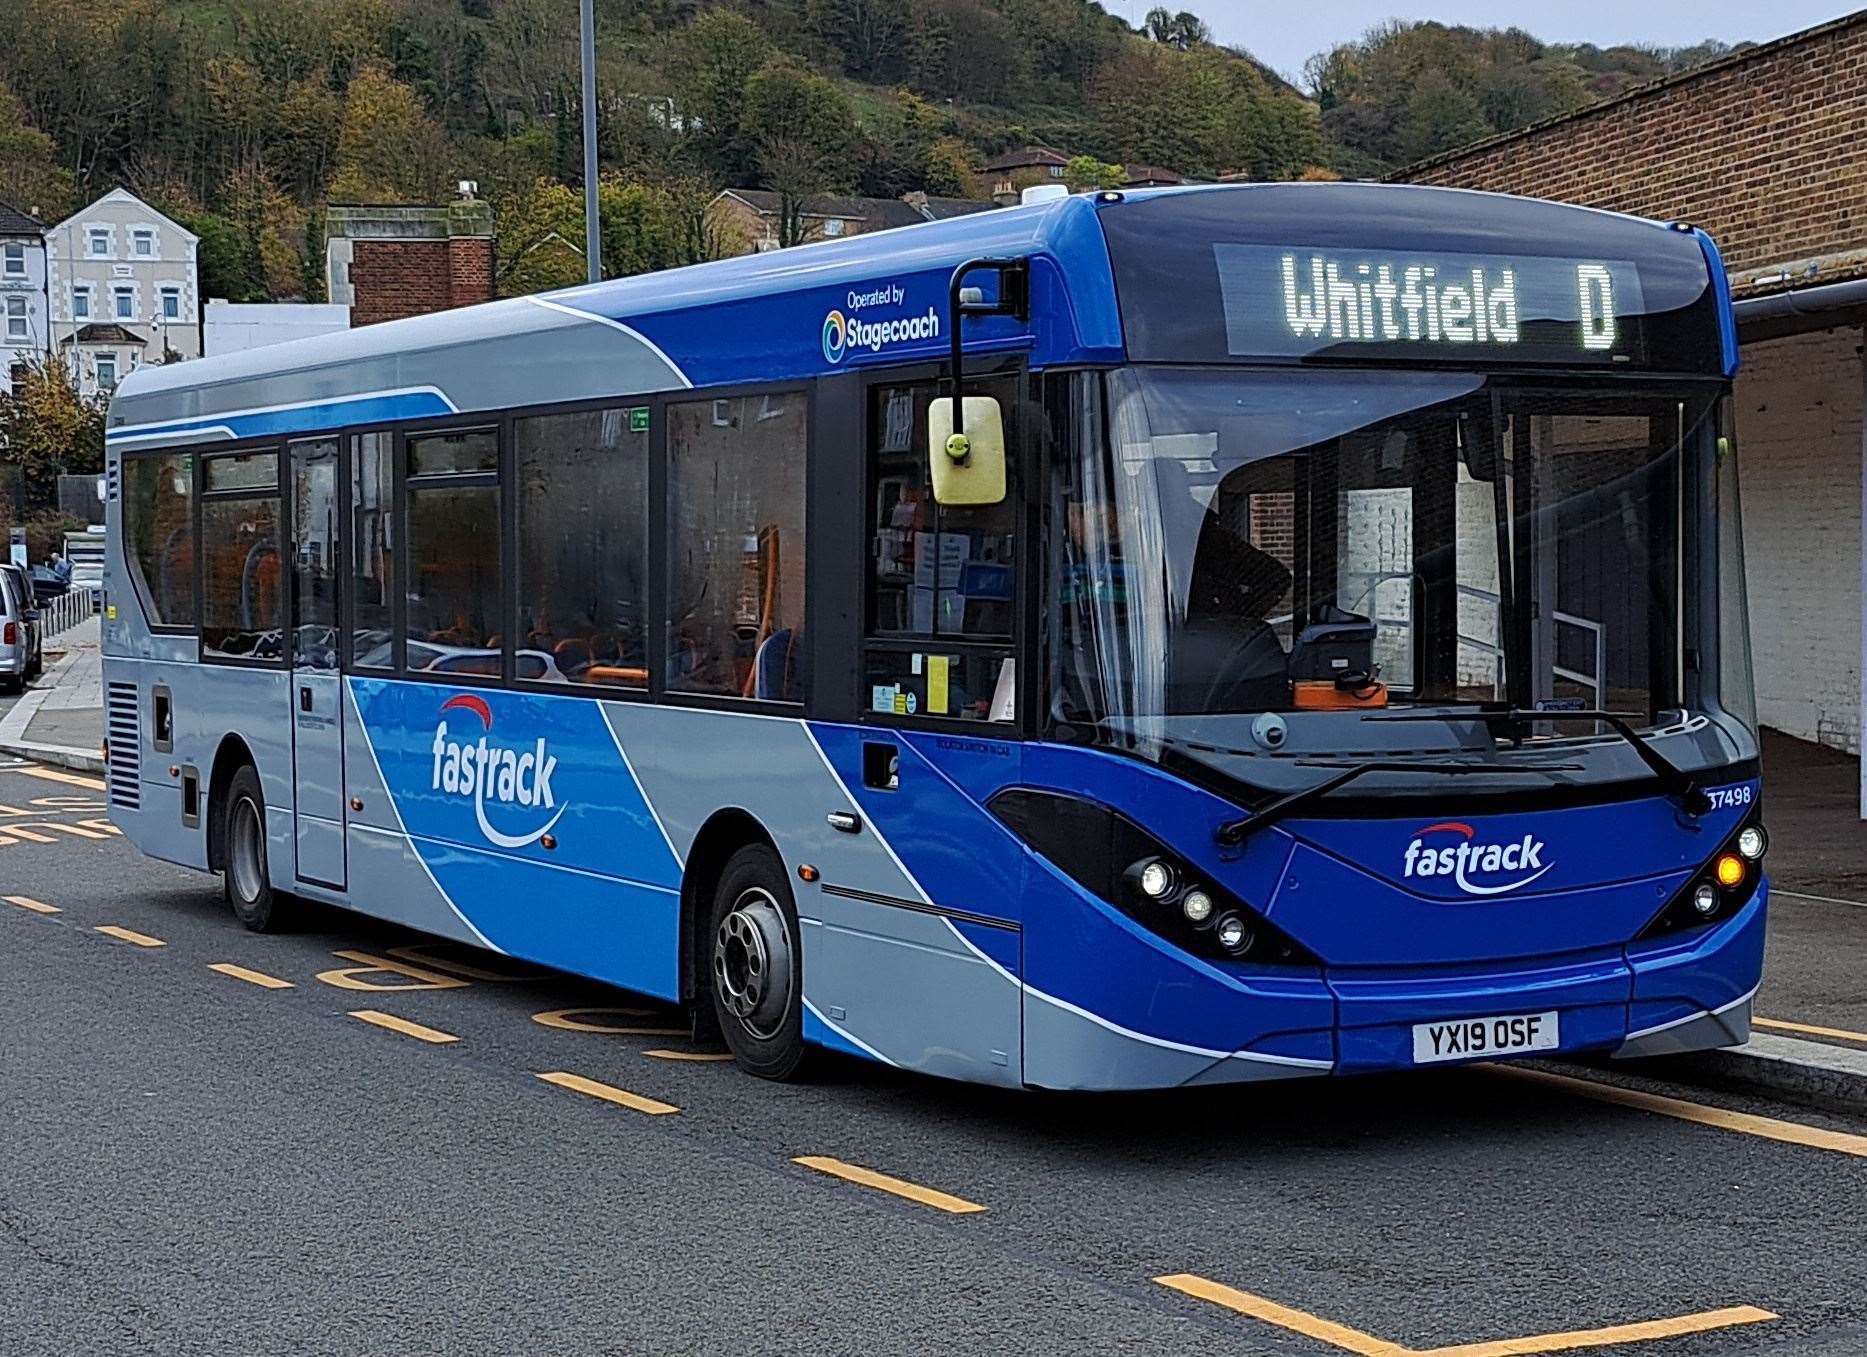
pixel 1752 842
pixel 1232 934
pixel 1155 879
pixel 1705 899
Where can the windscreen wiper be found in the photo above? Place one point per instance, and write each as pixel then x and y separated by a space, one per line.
pixel 1235 832
pixel 1670 776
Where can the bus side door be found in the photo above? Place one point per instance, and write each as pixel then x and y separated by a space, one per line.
pixel 317 684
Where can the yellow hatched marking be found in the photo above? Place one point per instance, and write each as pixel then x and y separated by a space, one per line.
pixel 1744 1123
pixel 1838 1033
pixel 130 935
pixel 1367 1345
pixel 59 775
pixel 687 1055
pixel 27 902
pixel 259 978
pixel 561 1019
pixel 349 977
pixel 389 1022
pixel 635 1102
pixel 882 1182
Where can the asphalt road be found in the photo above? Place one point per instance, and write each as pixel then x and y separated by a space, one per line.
pixel 195 1162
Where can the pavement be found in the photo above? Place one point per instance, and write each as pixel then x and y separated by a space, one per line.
pixel 60 718
pixel 243 1159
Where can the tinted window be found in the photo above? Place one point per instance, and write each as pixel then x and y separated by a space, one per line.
pixel 736 532
pixel 158 534
pixel 372 545
pixel 583 546
pixel 454 578
pixel 453 453
pixel 242 578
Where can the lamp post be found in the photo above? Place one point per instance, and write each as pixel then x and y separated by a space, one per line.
pixel 592 214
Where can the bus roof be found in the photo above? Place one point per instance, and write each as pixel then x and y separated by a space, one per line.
pixel 770 316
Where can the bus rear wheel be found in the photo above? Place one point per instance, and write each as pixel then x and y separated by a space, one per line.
pixel 245 874
pixel 755 967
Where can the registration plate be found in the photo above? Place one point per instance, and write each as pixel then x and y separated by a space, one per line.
pixel 1470 1037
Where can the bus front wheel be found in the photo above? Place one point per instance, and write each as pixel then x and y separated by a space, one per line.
pixel 754 965
pixel 245 874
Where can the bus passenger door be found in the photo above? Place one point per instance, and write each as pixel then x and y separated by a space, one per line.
pixel 317 684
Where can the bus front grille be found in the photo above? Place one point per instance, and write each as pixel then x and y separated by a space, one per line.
pixel 123 726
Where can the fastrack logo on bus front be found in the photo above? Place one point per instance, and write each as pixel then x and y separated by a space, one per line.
pixel 486 772
pixel 1522 859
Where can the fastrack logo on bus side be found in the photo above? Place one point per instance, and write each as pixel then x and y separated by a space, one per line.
pixel 1467 858
pixel 485 771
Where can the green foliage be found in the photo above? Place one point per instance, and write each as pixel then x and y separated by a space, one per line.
pixel 1405 91
pixel 47 428
pixel 1086 172
pixel 645 227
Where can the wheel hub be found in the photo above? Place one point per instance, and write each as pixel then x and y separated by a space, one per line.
pixel 752 963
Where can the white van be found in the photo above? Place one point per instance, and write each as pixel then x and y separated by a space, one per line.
pixel 22 651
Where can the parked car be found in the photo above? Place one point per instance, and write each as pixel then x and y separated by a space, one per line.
pixel 22 644
pixel 48 584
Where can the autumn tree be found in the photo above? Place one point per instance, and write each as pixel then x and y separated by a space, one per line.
pixel 802 129
pixel 712 63
pixel 388 148
pixel 48 429
pixel 31 178
pixel 1085 172
pixel 539 245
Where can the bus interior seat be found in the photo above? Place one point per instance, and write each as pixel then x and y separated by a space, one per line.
pixel 780 668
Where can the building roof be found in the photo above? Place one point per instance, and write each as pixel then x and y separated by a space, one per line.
pixel 106 332
pixel 123 195
pixel 875 212
pixel 14 222
pixel 1025 157
pixel 1138 175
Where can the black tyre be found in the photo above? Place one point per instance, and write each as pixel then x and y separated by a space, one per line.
pixel 755 968
pixel 244 872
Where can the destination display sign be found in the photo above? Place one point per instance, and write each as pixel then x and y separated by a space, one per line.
pixel 1302 301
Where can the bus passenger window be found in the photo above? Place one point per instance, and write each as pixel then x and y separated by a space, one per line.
pixel 583 547
pixel 158 527
pixel 736 533
pixel 455 571
pixel 242 570
pixel 372 547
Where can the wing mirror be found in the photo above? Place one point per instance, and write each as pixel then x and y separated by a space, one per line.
pixel 968 467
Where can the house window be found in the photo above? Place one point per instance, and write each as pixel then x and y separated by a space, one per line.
pixel 15 257
pixel 16 330
pixel 143 243
pixel 81 303
pixel 1056 171
pixel 99 238
pixel 833 227
pixel 171 303
pixel 126 303
pixel 107 371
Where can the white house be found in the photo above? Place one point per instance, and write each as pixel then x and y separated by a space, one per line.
pixel 124 289
pixel 24 338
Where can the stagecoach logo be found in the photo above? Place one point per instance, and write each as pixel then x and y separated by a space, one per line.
pixel 486 772
pixel 1522 859
pixel 844 329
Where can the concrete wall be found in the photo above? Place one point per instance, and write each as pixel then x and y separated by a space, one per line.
pixel 230 327
pixel 1799 450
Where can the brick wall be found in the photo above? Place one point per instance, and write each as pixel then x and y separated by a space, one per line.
pixel 1799 440
pixel 398 278
pixel 1761 150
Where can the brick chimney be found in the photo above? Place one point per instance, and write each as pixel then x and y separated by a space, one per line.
pixel 388 262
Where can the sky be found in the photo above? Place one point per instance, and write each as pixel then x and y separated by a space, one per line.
pixel 1284 35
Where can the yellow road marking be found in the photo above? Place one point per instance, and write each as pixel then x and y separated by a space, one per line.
pixel 1838 1033
pixel 392 1023
pixel 27 902
pixel 59 775
pixel 346 977
pixel 1745 1123
pixel 423 954
pixel 131 935
pixel 1367 1345
pixel 635 1102
pixel 561 1019
pixel 687 1055
pixel 881 1182
pixel 259 978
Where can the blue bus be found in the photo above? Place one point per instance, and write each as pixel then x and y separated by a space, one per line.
pixel 1133 640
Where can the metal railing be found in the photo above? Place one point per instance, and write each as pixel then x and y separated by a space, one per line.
pixel 65 612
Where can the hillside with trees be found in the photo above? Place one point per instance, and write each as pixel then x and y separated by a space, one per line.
pixel 243 118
